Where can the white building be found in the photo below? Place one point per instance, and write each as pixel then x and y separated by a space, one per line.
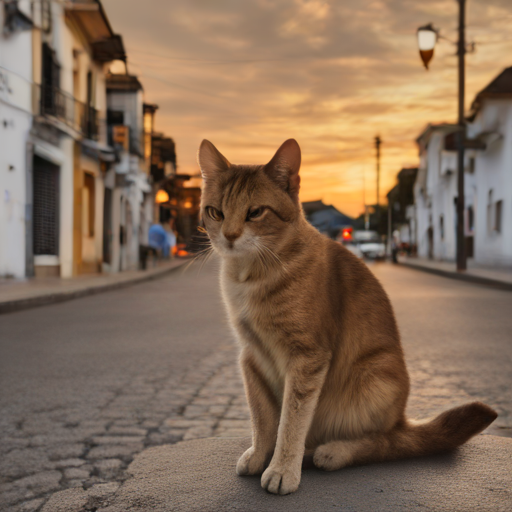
pixel 435 193
pixel 129 209
pixel 487 181
pixel 15 125
pixel 52 218
pixel 491 123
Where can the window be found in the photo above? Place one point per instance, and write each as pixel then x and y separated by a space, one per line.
pixel 490 222
pixel 115 117
pixel 50 82
pixel 471 219
pixel 497 216
pixel 441 226
pixel 471 167
pixel 90 90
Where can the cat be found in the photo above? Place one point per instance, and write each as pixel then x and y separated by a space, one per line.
pixel 321 358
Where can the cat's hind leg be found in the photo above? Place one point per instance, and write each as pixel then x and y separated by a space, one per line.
pixel 445 432
pixel 339 454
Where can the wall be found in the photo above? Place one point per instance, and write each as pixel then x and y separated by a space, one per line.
pixel 129 198
pixel 435 192
pixel 15 124
pixel 493 171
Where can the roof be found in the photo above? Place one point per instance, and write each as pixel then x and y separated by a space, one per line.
pixel 90 17
pixel 500 87
pixel 330 220
pixel 150 107
pixel 314 206
pixel 407 171
pixel 432 128
pixel 126 83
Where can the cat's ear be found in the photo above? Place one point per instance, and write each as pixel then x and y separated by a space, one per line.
pixel 284 167
pixel 211 161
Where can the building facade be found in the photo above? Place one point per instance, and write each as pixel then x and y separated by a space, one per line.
pixel 435 194
pixel 129 195
pixel 487 180
pixel 401 207
pixel 16 74
pixel 54 58
pixel 490 123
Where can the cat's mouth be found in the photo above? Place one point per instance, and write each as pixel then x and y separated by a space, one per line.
pixel 232 248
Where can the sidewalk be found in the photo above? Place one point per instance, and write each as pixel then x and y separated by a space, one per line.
pixel 499 277
pixel 197 476
pixel 17 294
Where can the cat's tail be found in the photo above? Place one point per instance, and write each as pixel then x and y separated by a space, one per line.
pixel 444 433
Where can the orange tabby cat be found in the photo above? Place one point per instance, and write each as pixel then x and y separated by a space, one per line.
pixel 321 358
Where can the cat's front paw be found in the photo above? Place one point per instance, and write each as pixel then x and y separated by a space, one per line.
pixel 281 480
pixel 251 463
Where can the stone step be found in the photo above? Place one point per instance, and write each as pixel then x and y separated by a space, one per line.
pixel 199 475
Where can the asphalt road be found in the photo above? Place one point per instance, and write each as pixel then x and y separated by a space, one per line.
pixel 86 384
pixel 457 338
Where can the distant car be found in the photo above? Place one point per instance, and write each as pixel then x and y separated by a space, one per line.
pixel 370 244
pixel 345 238
pixel 353 248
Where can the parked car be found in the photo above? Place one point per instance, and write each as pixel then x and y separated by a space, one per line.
pixel 364 244
pixel 353 248
pixel 370 244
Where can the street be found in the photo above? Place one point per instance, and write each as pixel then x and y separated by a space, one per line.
pixel 87 384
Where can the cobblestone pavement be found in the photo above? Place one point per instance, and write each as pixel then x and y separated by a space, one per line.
pixel 178 379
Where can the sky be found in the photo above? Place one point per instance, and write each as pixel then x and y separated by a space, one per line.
pixel 249 74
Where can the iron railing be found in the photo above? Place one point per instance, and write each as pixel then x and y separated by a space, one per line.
pixel 54 102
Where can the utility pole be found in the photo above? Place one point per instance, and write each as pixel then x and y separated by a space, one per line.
pixel 366 217
pixel 390 230
pixel 377 209
pixel 461 138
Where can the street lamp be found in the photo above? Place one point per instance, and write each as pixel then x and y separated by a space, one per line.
pixel 161 197
pixel 427 38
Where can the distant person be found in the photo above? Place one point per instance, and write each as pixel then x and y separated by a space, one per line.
pixel 161 239
pixel 395 242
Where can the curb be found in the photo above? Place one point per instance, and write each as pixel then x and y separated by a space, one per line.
pixel 460 276
pixel 54 298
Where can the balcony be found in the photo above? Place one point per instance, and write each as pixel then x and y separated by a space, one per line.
pixel 54 103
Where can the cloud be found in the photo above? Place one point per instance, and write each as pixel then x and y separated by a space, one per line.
pixel 248 75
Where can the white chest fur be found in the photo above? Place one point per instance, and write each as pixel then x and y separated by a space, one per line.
pixel 248 317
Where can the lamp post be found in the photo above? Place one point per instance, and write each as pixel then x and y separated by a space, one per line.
pixel 427 38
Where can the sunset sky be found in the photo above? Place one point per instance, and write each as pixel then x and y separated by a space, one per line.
pixel 249 74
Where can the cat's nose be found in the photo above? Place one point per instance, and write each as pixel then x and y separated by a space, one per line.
pixel 232 236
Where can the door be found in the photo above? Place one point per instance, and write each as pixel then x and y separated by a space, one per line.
pixel 46 207
pixel 107 226
pixel 430 234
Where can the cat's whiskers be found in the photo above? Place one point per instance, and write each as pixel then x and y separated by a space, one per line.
pixel 267 257
pixel 277 260
pixel 259 254
pixel 203 254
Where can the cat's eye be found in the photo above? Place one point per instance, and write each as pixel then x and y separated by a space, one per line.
pixel 256 213
pixel 214 214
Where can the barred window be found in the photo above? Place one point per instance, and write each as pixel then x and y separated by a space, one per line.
pixel 46 207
